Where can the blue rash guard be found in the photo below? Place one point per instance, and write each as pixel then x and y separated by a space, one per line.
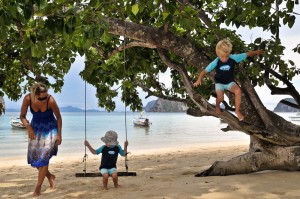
pixel 225 71
pixel 109 156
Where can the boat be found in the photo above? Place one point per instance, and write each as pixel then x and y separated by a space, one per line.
pixel 141 121
pixel 16 123
pixel 295 117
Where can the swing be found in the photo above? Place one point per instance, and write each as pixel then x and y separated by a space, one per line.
pixel 97 174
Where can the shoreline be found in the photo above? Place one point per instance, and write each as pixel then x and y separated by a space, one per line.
pixel 167 173
pixel 21 160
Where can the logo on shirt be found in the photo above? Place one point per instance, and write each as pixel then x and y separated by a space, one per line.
pixel 111 152
pixel 225 68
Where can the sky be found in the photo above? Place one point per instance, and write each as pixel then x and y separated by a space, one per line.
pixel 73 91
pixel 290 38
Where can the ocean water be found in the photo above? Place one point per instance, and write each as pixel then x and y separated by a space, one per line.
pixel 167 130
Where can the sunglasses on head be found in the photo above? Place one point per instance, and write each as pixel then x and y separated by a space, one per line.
pixel 42 98
pixel 40 90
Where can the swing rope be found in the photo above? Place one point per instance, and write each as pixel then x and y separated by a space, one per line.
pixel 85 155
pixel 124 65
pixel 85 137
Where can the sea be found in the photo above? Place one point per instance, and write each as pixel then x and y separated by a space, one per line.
pixel 167 130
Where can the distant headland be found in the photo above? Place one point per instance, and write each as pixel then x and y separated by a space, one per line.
pixel 161 105
pixel 280 107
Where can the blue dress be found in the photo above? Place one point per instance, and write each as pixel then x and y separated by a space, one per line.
pixel 41 149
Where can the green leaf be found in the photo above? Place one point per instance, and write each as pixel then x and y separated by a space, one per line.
pixel 135 9
pixel 290 5
pixel 43 4
pixel 257 40
pixel 165 15
pixel 292 63
pixel 291 21
pixel 94 3
pixel 106 37
pixel 285 20
pixel 35 51
pixel 20 11
pixel 13 12
pixel 273 29
pixel 28 11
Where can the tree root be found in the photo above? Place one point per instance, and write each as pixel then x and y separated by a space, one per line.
pixel 269 158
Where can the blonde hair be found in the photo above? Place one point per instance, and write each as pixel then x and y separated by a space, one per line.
pixel 36 89
pixel 224 46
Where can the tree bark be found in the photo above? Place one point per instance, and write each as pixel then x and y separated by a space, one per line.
pixel 261 156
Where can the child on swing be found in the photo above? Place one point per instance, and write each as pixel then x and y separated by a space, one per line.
pixel 110 152
pixel 224 77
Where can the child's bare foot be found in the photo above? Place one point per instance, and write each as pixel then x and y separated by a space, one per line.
pixel 218 110
pixel 52 181
pixel 37 191
pixel 117 186
pixel 103 188
pixel 240 116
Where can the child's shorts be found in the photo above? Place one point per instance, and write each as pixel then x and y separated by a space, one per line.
pixel 224 86
pixel 109 171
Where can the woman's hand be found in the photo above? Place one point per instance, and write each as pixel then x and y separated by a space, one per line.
pixel 31 134
pixel 58 139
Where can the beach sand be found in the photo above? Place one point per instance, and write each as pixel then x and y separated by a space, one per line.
pixel 161 174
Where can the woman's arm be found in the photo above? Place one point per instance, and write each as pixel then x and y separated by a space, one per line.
pixel 57 114
pixel 24 108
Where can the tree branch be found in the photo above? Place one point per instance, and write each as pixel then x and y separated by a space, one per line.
pixel 130 45
pixel 161 39
pixel 252 104
pixel 161 95
pixel 290 104
pixel 289 90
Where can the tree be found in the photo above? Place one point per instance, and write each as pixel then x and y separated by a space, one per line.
pixel 129 43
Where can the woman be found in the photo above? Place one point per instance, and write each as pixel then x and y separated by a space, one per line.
pixel 44 131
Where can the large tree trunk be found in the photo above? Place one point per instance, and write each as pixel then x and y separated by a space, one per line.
pixel 274 141
pixel 261 156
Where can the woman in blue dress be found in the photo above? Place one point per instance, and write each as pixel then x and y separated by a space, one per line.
pixel 44 131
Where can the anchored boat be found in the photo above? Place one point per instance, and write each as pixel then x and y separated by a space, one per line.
pixel 16 123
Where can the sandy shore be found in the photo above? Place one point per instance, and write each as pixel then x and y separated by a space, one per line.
pixel 161 174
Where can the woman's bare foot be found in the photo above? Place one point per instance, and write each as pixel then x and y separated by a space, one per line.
pixel 37 191
pixel 52 181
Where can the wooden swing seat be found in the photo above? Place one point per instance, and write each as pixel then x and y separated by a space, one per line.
pixel 98 174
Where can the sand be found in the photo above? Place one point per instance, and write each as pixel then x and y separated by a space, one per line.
pixel 161 174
